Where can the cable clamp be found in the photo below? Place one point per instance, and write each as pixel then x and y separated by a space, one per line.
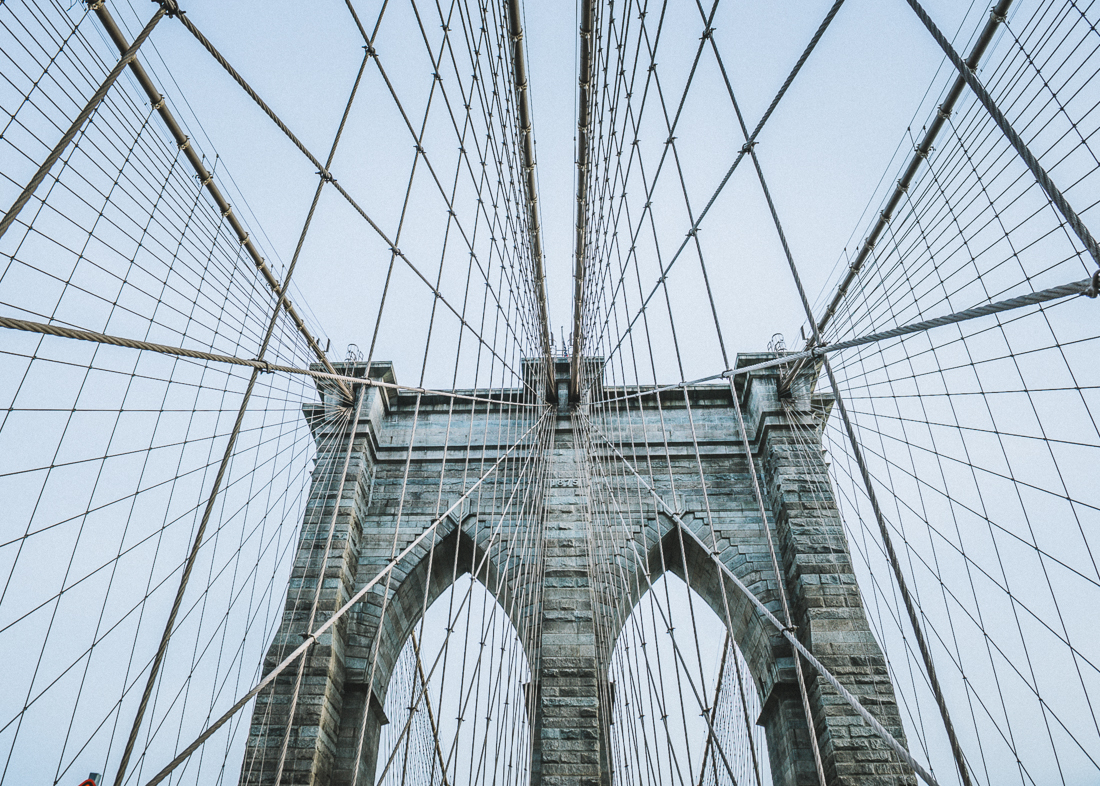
pixel 244 238
pixel 923 153
pixel 95 5
pixel 693 232
pixel 395 251
pixel 227 211
pixel 707 34
pixel 943 113
pixel 997 17
pixel 186 143
pixel 370 50
pixel 159 105
pixel 171 7
pixel 748 147
pixel 207 180
pixel 1094 289
pixel 326 175
pixel 818 352
pixel 791 629
pixel 264 366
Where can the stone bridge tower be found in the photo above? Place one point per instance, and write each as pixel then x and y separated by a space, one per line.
pixel 569 624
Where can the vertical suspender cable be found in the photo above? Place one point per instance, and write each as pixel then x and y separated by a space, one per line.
pixel 580 249
pixel 527 147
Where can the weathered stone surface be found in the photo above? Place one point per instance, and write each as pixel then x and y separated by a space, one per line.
pixel 411 457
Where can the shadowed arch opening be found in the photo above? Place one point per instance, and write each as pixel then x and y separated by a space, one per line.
pixel 440 565
pixel 456 701
pixel 767 656
pixel 684 703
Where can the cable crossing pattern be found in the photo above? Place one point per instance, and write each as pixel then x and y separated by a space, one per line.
pixel 468 550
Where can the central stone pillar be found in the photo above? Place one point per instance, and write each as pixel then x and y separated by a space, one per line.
pixel 570 744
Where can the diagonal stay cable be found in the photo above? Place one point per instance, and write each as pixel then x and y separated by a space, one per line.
pixel 339 613
pixel 206 178
pixel 857 451
pixel 736 162
pixel 260 365
pixel 855 704
pixel 230 447
pixel 1087 287
pixel 325 173
pixel 1052 191
pixel 920 154
pixel 129 54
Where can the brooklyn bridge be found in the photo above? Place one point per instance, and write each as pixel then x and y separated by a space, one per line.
pixel 478 392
